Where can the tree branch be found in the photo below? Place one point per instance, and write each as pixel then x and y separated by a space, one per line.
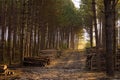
pixel 115 3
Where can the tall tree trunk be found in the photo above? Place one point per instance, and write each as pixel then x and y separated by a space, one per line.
pixel 91 36
pixel 103 33
pixel 95 22
pixel 31 40
pixel 96 33
pixel 109 31
pixel 22 31
pixel 42 46
pixel 2 27
pixel 10 33
pixel 114 33
pixel 72 38
pixel 100 32
pixel 15 24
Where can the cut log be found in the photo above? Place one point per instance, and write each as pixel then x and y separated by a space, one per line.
pixel 3 68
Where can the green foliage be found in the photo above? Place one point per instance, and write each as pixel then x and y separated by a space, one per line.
pixel 118 9
pixel 86 13
pixel 68 15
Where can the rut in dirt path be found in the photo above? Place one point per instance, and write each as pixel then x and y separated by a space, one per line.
pixel 70 60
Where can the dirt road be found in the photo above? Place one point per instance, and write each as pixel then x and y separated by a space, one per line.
pixel 70 66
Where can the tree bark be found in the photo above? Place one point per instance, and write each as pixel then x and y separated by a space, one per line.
pixel 91 36
pixel 95 22
pixel 2 27
pixel 22 31
pixel 10 33
pixel 96 33
pixel 109 32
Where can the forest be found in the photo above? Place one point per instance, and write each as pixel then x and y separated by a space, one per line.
pixel 30 28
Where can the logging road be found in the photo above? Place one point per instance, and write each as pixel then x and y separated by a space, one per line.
pixel 70 66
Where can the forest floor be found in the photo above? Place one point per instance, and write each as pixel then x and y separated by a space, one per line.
pixel 70 66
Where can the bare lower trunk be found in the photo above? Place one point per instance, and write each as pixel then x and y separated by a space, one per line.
pixel 109 32
pixel 91 36
pixel 2 27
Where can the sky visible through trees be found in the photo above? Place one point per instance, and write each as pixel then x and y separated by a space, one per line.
pixel 76 3
pixel 81 45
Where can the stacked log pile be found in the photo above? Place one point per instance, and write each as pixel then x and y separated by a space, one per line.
pixel 95 61
pixel 117 60
pixel 88 58
pixel 32 61
pixel 45 57
pixel 93 64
